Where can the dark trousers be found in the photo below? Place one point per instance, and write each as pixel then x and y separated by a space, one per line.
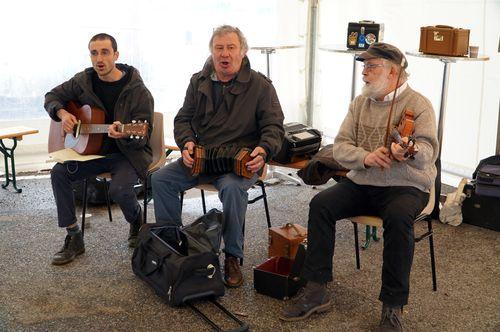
pixel 121 189
pixel 397 206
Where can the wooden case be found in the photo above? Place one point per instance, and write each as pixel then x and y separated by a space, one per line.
pixel 444 40
pixel 285 240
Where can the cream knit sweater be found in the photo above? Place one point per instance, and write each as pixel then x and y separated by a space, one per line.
pixel 363 131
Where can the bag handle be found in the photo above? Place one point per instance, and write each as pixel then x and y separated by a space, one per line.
pixel 295 228
pixel 444 26
pixel 208 272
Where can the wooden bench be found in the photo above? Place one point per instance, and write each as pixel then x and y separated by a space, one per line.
pixel 15 134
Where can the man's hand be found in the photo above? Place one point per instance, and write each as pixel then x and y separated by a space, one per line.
pixel 398 152
pixel 187 151
pixel 68 120
pixel 113 130
pixel 378 158
pixel 258 160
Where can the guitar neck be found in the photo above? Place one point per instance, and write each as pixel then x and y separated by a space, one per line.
pixel 96 128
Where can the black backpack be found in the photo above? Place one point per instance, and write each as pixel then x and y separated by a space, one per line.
pixel 181 263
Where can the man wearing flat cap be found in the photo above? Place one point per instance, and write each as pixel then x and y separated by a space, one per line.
pixel 384 180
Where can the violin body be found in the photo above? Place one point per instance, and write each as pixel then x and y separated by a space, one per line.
pixel 406 128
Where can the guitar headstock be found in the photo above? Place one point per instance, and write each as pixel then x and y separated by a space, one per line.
pixel 136 129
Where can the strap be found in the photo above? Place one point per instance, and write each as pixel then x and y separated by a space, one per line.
pixel 460 190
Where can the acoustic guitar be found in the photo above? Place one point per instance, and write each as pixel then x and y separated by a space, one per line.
pixel 88 133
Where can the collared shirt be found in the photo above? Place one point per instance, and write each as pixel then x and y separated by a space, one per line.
pixel 389 96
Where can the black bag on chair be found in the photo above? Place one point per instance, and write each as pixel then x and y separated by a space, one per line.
pixel 181 263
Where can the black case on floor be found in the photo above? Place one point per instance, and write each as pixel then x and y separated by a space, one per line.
pixel 280 277
pixel 300 140
pixel 482 211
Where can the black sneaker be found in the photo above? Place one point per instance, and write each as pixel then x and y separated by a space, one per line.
pixel 315 298
pixel 391 319
pixel 73 246
pixel 134 230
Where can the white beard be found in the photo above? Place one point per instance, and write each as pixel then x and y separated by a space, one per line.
pixel 375 89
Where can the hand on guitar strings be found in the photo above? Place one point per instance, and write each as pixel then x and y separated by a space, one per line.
pixel 113 130
pixel 68 120
pixel 187 154
pixel 258 160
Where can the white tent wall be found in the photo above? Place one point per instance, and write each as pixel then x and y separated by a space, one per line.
pixel 470 128
pixel 45 43
pixel 166 40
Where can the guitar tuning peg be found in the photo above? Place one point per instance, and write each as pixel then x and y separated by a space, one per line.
pixel 133 121
pixel 136 137
pixel 131 136
pixel 145 121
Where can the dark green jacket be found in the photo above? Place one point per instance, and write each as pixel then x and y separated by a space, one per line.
pixel 134 103
pixel 251 114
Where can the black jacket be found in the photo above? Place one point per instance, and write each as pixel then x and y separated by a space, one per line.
pixel 134 103
pixel 251 115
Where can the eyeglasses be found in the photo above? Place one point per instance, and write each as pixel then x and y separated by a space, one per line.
pixel 370 66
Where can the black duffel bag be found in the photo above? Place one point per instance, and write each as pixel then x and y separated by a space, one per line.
pixel 181 263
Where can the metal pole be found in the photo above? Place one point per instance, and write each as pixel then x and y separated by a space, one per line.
pixel 442 108
pixel 311 51
pixel 354 77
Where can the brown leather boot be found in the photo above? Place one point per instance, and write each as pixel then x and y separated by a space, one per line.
pixel 232 273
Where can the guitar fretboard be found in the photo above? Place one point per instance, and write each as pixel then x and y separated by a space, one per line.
pixel 96 128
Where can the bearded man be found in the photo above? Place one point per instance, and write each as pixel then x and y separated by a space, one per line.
pixel 383 181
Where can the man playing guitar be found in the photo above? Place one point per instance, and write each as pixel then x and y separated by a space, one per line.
pixel 119 91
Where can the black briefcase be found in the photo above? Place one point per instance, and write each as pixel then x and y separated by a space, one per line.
pixel 299 140
pixel 488 180
pixel 360 35
pixel 479 210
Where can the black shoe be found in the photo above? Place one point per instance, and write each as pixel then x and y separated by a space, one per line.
pixel 391 319
pixel 134 230
pixel 315 298
pixel 73 246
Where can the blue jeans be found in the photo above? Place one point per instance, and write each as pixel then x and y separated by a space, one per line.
pixel 173 179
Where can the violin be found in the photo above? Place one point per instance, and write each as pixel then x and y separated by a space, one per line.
pixel 406 129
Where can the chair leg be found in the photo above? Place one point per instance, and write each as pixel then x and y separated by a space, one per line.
pixel 266 206
pixel 203 201
pixel 243 245
pixel 431 251
pixel 84 208
pixel 145 203
pixel 356 245
pixel 108 203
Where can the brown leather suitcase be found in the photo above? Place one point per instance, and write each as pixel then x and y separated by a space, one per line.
pixel 285 240
pixel 444 40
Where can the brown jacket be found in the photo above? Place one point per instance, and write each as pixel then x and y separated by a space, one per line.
pixel 250 116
